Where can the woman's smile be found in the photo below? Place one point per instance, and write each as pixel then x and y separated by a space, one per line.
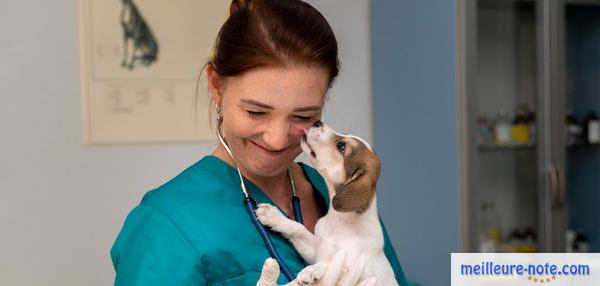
pixel 274 153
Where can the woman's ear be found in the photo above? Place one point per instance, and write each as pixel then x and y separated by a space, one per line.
pixel 215 83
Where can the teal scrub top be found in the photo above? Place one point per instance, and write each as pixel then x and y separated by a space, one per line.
pixel 195 230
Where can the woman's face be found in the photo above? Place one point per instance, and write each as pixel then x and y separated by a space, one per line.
pixel 264 112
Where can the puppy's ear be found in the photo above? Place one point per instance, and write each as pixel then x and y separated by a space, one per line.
pixel 356 194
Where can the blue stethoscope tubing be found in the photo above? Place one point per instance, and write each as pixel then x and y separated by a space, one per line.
pixel 297 209
pixel 250 204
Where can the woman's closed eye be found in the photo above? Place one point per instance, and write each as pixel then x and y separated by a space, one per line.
pixel 263 114
pixel 256 114
pixel 303 118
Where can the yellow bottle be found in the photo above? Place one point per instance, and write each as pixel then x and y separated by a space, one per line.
pixel 520 133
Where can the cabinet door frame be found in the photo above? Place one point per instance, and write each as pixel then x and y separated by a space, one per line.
pixel 550 112
pixel 552 210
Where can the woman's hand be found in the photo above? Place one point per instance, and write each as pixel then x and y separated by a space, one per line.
pixel 320 274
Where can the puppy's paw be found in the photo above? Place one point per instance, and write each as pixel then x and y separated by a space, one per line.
pixel 311 273
pixel 270 216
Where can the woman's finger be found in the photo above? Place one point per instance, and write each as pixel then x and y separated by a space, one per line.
pixel 269 274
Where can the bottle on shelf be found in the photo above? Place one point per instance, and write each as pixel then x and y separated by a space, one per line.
pixel 520 127
pixel 484 134
pixel 576 241
pixel 521 240
pixel 532 126
pixel 592 128
pixel 502 129
pixel 570 241
pixel 574 130
pixel 489 234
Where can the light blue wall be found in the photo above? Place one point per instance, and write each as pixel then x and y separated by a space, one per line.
pixel 416 132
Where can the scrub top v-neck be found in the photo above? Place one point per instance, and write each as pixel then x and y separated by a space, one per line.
pixel 195 230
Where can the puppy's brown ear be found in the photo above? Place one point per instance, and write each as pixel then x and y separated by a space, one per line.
pixel 356 194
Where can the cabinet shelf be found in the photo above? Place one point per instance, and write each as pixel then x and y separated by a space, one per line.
pixel 583 145
pixel 509 146
pixel 514 146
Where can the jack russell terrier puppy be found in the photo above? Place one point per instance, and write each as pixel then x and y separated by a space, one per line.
pixel 350 168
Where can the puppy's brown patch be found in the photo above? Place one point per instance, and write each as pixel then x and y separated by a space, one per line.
pixel 362 167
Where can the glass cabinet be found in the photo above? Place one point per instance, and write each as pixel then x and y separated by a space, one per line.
pixel 530 82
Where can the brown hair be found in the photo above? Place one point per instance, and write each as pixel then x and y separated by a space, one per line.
pixel 273 32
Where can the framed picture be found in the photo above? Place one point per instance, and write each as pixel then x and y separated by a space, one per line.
pixel 141 62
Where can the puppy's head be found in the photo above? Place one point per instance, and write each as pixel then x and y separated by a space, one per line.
pixel 347 163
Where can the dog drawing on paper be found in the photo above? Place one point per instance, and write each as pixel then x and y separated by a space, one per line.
pixel 140 45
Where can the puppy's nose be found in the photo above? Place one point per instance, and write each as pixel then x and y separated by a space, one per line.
pixel 318 123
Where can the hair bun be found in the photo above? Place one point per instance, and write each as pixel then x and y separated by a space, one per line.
pixel 239 4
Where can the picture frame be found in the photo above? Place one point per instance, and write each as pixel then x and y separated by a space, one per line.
pixel 141 64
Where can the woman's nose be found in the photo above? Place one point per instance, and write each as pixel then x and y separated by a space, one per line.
pixel 277 136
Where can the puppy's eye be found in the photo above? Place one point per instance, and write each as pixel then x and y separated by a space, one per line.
pixel 341 146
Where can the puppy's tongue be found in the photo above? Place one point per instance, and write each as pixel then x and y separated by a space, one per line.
pixel 304 131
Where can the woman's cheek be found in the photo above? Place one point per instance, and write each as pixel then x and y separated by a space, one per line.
pixel 245 127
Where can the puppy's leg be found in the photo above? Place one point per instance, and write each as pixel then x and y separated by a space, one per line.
pixel 354 272
pixel 368 282
pixel 296 233
pixel 312 273
pixel 322 273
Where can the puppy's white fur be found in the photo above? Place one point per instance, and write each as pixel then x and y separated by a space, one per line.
pixel 357 233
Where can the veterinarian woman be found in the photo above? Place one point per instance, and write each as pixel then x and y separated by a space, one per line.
pixel 273 63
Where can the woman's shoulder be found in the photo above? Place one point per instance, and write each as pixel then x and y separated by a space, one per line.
pixel 187 201
pixel 200 184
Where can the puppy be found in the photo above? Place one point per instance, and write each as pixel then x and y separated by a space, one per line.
pixel 350 169
pixel 138 40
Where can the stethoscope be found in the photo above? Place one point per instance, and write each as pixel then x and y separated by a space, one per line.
pixel 250 204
